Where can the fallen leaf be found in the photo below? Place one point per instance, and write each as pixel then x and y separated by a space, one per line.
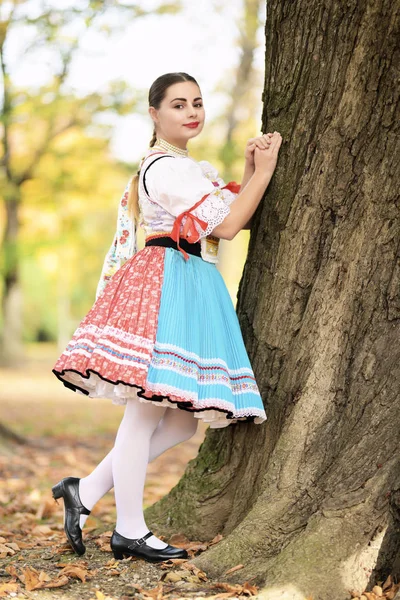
pixel 24 545
pixel 233 569
pixel 173 577
pixel 178 539
pixel 155 593
pixel 77 563
pixel 216 539
pixel 388 583
pixel 46 508
pixel 42 530
pixel 11 570
pixel 6 588
pixel 13 545
pixel 253 589
pixel 377 590
pixel 197 546
pixel 74 571
pixel 237 590
pixel 55 583
pixel 172 562
pixel 198 572
pixel 5 550
pixel 30 578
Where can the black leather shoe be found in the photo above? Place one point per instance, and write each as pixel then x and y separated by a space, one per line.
pixel 122 547
pixel 68 489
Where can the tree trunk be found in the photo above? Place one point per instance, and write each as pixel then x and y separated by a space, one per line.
pixel 11 349
pixel 306 501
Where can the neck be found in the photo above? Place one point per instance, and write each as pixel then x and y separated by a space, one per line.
pixel 171 146
pixel 177 143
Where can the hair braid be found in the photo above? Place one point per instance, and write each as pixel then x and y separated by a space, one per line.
pixel 153 139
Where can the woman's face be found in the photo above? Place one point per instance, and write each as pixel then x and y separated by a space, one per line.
pixel 182 105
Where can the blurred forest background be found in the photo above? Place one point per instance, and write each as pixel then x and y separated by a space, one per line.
pixel 69 145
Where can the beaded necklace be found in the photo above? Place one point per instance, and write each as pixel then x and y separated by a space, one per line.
pixel 170 147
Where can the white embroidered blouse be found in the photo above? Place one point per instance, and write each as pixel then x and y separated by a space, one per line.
pixel 177 196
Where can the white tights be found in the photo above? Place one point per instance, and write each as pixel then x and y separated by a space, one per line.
pixel 145 432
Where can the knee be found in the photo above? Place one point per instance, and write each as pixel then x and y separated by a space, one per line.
pixel 191 428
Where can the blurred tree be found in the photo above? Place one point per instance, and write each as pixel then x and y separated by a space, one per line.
pixel 243 101
pixel 65 231
pixel 32 120
pixel 309 502
pixel 232 128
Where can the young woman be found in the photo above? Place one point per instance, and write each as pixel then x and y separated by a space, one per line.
pixel 163 337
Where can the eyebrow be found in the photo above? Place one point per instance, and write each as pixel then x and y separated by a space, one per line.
pixel 184 99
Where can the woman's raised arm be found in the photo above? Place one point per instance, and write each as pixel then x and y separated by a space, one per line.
pixel 248 199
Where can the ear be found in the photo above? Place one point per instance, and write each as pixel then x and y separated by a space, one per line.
pixel 153 113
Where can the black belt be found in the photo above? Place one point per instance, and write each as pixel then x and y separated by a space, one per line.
pixel 168 242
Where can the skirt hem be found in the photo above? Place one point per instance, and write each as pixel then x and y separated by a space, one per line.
pixel 159 399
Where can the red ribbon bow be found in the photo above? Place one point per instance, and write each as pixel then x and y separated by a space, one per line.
pixel 189 231
pixel 233 187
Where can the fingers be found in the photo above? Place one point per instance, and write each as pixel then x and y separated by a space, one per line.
pixel 273 141
pixel 276 142
pixel 260 142
pixel 265 141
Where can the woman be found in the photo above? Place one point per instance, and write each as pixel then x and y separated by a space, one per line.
pixel 163 336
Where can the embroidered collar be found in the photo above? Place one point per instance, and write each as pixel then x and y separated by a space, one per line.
pixel 161 143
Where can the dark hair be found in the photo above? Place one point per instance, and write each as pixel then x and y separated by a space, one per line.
pixel 158 91
pixel 157 94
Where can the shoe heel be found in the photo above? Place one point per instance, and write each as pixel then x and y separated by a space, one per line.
pixel 118 555
pixel 57 491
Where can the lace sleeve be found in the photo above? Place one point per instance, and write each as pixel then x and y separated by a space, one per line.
pixel 212 174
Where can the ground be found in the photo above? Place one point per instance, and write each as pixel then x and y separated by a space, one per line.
pixel 68 434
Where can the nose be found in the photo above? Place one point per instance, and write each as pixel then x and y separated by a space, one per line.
pixel 192 110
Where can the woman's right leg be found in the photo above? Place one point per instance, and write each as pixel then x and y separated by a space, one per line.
pixel 176 426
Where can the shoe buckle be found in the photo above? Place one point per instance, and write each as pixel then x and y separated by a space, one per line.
pixel 138 542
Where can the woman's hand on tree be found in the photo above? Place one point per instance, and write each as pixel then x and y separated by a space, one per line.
pixel 262 142
pixel 265 159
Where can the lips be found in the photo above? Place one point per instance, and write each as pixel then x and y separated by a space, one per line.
pixel 193 125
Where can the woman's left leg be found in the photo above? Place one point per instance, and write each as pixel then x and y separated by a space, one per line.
pixel 176 426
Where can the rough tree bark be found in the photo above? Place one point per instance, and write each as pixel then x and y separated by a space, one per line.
pixel 308 502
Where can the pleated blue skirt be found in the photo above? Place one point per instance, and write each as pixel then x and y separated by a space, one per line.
pixel 195 360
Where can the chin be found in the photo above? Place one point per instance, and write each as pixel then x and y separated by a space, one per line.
pixel 194 132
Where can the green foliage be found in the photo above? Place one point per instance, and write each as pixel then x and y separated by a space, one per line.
pixel 69 209
pixel 59 183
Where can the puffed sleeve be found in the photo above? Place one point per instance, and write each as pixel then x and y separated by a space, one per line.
pixel 123 245
pixel 212 173
pixel 180 186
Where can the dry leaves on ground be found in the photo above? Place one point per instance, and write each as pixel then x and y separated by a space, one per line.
pixel 33 543
pixel 386 591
